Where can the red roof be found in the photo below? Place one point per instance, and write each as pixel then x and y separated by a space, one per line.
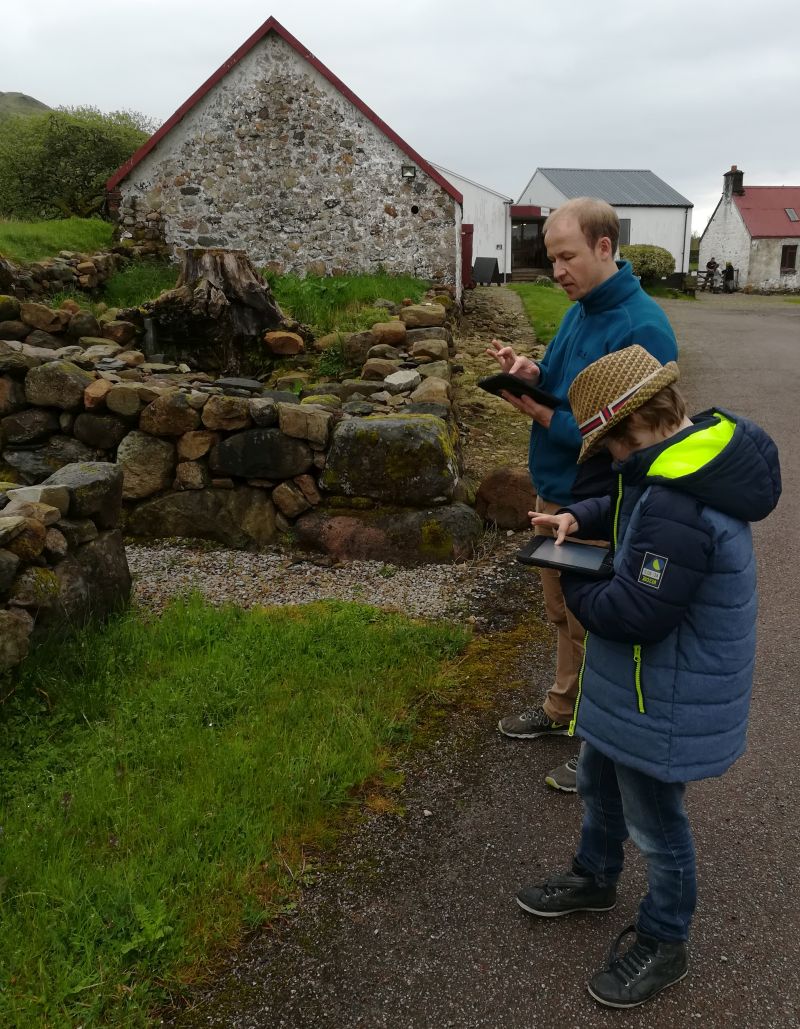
pixel 763 209
pixel 272 25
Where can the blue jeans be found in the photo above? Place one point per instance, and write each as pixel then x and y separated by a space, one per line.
pixel 620 802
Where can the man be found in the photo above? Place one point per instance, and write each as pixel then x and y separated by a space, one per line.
pixel 711 270
pixel 612 312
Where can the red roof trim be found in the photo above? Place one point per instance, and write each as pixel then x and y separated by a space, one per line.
pixel 525 211
pixel 272 25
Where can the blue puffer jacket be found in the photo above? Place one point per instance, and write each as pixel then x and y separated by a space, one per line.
pixel 668 664
pixel 612 316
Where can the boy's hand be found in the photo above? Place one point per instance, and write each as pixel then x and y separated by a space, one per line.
pixel 512 362
pixel 564 524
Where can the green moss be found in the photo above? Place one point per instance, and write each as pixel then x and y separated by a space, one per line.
pixel 41 584
pixel 436 540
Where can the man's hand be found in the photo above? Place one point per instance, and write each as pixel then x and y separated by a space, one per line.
pixel 564 524
pixel 526 405
pixel 512 362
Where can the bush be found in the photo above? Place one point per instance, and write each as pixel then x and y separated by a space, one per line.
pixel 55 164
pixel 648 262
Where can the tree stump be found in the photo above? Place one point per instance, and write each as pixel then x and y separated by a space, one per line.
pixel 217 314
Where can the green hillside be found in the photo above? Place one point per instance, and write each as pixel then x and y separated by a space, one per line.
pixel 20 103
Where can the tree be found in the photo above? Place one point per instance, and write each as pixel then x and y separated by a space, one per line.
pixel 55 164
pixel 649 262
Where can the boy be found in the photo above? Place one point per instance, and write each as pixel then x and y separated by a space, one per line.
pixel 667 671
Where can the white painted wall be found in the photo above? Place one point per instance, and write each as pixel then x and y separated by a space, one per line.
pixel 668 227
pixel 726 238
pixel 765 264
pixel 488 212
pixel 540 192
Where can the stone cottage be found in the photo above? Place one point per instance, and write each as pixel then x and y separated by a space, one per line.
pixel 274 155
pixel 757 229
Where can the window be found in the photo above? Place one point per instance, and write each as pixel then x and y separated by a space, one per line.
pixel 624 231
pixel 789 259
pixel 790 211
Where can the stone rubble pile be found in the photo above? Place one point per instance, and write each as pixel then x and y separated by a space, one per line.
pixel 69 270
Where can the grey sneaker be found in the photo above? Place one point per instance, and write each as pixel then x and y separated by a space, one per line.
pixel 565 777
pixel 563 894
pixel 531 723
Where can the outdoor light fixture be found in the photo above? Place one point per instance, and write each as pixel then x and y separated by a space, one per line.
pixel 408 171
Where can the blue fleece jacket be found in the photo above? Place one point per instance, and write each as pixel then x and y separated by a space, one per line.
pixel 615 314
pixel 668 662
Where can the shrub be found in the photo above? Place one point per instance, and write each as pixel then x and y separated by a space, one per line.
pixel 55 164
pixel 648 262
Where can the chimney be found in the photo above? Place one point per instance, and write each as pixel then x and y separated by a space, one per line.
pixel 732 182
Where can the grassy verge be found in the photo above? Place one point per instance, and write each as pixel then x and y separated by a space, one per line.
pixel 666 293
pixel 138 282
pixel 33 241
pixel 545 306
pixel 156 774
pixel 342 302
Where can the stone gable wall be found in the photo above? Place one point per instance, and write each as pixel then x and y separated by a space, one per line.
pixel 277 162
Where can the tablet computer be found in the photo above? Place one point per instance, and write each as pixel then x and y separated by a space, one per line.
pixel 581 558
pixel 517 387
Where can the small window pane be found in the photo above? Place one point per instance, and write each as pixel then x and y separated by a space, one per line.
pixel 624 231
pixel 792 214
pixel 789 259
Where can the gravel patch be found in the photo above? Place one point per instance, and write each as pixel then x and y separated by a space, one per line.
pixel 485 591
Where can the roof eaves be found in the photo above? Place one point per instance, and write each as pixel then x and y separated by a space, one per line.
pixel 273 25
pixel 449 171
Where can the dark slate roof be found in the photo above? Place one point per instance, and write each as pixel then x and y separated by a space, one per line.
pixel 620 186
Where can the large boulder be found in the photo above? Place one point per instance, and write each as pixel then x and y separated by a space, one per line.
pixel 228 413
pixel 400 459
pixel 101 431
pixel 423 316
pixel 147 463
pixel 261 454
pixel 93 581
pixel 14 361
pixel 505 496
pixel 400 536
pixel 170 415
pixel 15 632
pixel 40 317
pixel 57 384
pixel 27 426
pixel 95 489
pixel 239 517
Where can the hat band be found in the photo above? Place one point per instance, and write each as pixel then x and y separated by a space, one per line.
pixel 605 414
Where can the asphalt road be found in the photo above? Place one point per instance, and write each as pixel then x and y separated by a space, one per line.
pixel 418 929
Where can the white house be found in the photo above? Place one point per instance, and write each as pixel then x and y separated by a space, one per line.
pixel 650 211
pixel 757 229
pixel 488 213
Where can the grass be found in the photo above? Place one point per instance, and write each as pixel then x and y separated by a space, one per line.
pixel 138 282
pixel 33 241
pixel 545 306
pixel 159 777
pixel 343 302
pixel 667 293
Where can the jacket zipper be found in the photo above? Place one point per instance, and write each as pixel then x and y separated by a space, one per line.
pixel 616 512
pixel 637 677
pixel 580 688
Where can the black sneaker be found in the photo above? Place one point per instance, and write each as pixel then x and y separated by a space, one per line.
pixel 645 969
pixel 531 723
pixel 563 894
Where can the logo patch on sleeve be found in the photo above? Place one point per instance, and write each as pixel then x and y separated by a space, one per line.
pixel 653 568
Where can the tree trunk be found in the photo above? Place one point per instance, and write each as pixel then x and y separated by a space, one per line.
pixel 216 316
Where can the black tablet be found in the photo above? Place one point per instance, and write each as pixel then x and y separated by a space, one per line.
pixel 581 558
pixel 517 387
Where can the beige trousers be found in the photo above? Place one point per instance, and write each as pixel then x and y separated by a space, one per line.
pixel 560 699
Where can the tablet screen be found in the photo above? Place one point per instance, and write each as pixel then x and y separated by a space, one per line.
pixel 572 555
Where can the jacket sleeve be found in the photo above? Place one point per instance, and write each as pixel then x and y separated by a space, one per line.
pixel 593 517
pixel 657 339
pixel 635 606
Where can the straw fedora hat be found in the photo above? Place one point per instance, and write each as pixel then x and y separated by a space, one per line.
pixel 611 388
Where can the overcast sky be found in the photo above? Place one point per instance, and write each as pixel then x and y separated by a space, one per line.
pixel 492 89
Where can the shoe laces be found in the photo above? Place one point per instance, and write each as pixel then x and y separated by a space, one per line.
pixel 560 884
pixel 629 966
pixel 572 764
pixel 535 715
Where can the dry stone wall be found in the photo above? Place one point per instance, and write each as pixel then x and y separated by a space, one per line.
pixel 362 466
pixel 68 271
pixel 277 162
pixel 62 557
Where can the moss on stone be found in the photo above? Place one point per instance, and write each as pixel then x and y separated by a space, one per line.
pixel 436 541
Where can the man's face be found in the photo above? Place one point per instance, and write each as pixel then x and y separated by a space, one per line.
pixel 577 267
